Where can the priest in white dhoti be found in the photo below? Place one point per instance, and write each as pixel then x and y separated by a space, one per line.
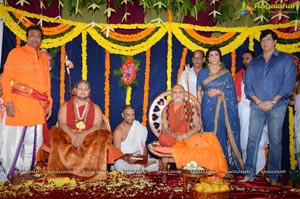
pixel 130 137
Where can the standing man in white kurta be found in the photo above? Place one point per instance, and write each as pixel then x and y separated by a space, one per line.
pixel 130 137
pixel 188 77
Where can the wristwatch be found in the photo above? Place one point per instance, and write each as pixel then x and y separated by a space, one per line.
pixel 274 102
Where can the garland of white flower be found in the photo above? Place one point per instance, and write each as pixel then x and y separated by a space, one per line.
pixel 292 138
pixel 128 94
pixel 84 55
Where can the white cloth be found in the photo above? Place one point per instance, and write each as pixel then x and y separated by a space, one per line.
pixel 135 143
pixel 244 115
pixel 297 132
pixel 190 75
pixel 12 137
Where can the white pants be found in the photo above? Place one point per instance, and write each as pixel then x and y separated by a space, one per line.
pixel 244 114
pixel 19 148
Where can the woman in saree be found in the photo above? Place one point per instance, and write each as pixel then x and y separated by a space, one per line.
pixel 219 107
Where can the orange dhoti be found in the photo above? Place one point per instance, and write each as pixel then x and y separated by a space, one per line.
pixel 88 162
pixel 203 148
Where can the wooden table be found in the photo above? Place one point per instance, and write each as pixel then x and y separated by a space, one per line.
pixel 165 160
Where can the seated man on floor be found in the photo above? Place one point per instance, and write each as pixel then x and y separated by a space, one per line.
pixel 130 137
pixel 181 125
pixel 79 147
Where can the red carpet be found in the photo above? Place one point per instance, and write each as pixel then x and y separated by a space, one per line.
pixel 120 185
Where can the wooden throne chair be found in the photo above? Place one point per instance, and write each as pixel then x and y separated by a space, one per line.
pixel 154 119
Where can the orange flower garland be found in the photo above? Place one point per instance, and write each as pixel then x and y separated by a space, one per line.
pixel 131 37
pixel 55 30
pixel 182 62
pixel 210 40
pixel 18 42
pixel 146 87
pixel 106 84
pixel 287 35
pixel 62 74
pixel 233 63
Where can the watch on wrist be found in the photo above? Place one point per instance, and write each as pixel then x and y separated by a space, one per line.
pixel 274 102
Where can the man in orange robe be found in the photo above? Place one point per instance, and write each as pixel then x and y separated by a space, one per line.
pixel 79 147
pixel 181 125
pixel 26 78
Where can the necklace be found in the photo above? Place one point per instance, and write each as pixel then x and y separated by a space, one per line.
pixel 80 120
pixel 180 118
pixel 80 117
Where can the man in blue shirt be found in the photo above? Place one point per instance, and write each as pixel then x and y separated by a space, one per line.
pixel 270 79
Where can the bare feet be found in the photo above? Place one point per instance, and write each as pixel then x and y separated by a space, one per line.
pixel 27 176
pixel 15 179
pixel 246 179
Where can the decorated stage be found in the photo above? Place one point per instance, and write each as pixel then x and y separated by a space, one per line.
pixel 142 185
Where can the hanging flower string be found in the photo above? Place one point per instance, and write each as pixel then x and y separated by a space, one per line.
pixel 106 84
pixel 146 87
pixel 128 75
pixel 62 74
pixel 182 62
pixel 292 138
pixel 18 41
pixel 233 63
pixel 84 55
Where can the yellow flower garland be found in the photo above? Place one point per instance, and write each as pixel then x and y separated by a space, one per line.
pixel 233 63
pixel 106 83
pixel 182 62
pixel 128 95
pixel 169 60
pixel 146 87
pixel 62 74
pixel 292 138
pixel 84 55
pixel 130 50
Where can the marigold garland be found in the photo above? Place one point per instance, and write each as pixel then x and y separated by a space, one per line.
pixel 106 84
pixel 18 42
pixel 62 75
pixel 292 138
pixel 84 55
pixel 182 62
pixel 142 46
pixel 128 95
pixel 286 35
pixel 210 40
pixel 233 63
pixel 146 87
pixel 55 30
pixel 169 61
pixel 131 37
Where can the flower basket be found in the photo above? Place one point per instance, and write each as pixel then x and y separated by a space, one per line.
pixel 214 187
